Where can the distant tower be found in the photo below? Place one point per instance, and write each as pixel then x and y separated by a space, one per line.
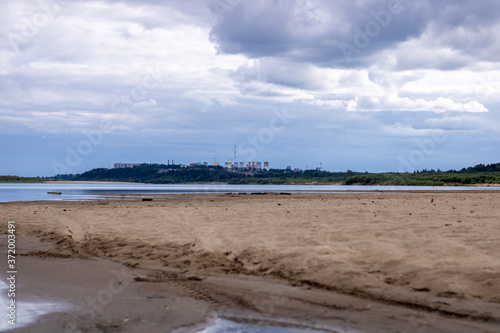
pixel 321 166
pixel 234 154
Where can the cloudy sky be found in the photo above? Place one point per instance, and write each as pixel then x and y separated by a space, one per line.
pixel 366 85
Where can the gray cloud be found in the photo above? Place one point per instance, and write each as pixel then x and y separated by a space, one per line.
pixel 313 31
pixel 280 72
pixel 319 31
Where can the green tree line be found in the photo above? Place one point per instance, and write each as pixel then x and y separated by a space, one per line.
pixel 17 179
pixel 174 174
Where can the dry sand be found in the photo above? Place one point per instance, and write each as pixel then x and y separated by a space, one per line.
pixel 375 262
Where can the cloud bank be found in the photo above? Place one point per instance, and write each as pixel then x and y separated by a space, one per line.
pixel 194 78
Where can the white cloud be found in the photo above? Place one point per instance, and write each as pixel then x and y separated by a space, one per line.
pixel 333 104
pixel 84 59
pixel 392 102
pixel 401 130
pixel 146 104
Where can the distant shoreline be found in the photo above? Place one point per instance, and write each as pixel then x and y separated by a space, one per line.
pixel 87 182
pixel 221 183
pixel 90 182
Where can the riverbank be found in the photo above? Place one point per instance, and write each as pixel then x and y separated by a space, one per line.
pixel 87 182
pixel 365 261
pixel 24 180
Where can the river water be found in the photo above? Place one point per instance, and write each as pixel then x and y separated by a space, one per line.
pixel 37 192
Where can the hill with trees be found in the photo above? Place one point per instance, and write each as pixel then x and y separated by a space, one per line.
pixel 175 174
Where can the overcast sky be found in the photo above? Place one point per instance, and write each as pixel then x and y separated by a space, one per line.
pixel 367 85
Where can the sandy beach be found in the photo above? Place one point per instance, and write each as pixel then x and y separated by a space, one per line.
pixel 341 262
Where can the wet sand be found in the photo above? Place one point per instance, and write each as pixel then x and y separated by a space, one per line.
pixel 372 262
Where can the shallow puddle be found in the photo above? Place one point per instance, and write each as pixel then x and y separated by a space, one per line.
pixel 30 312
pixel 223 325
pixel 25 312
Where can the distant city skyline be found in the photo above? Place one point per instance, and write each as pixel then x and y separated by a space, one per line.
pixel 378 86
pixel 227 165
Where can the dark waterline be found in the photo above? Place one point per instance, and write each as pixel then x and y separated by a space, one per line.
pixel 38 192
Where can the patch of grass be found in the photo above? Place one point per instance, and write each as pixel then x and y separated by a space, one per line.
pixel 17 179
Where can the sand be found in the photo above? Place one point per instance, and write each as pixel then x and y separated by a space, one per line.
pixel 372 262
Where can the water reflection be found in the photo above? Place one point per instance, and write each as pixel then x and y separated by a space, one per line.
pixel 225 325
pixel 26 312
pixel 35 192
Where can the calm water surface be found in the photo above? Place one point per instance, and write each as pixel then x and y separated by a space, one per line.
pixel 36 192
